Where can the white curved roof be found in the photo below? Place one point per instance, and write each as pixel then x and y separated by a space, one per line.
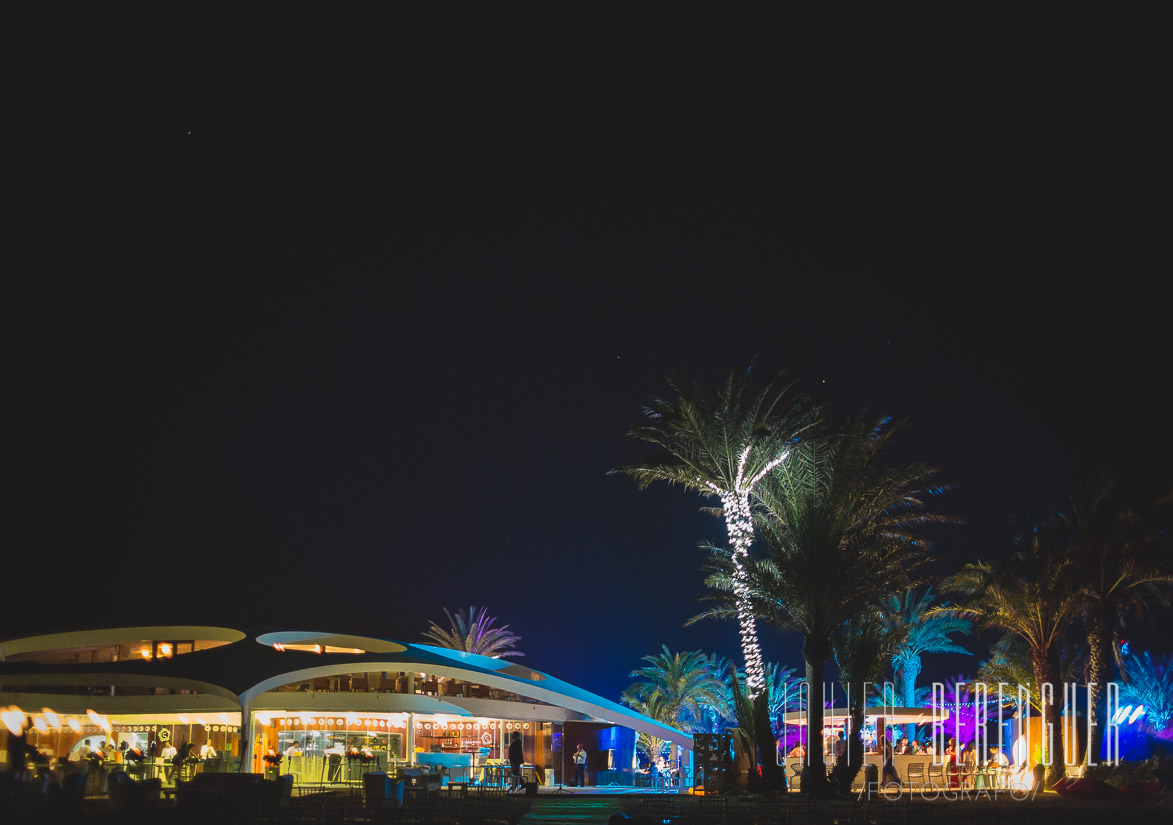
pixel 255 664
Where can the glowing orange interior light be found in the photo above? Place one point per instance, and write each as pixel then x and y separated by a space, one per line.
pixel 13 720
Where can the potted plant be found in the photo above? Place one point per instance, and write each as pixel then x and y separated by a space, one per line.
pixel 272 764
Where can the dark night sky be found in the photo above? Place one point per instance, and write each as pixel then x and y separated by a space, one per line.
pixel 337 326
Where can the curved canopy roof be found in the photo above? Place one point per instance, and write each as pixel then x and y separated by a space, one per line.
pixel 253 663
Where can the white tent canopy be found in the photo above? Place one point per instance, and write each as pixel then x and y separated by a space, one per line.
pixel 837 717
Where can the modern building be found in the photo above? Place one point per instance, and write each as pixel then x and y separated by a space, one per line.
pixel 329 704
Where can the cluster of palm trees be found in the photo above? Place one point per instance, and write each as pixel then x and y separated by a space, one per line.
pixel 840 528
pixel 1063 592
pixel 699 693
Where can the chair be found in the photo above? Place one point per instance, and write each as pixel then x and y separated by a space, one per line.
pixel 936 775
pixel 916 774
pixel 796 775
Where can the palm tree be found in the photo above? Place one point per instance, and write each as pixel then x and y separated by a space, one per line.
pixel 842 532
pixel 722 443
pixel 1114 535
pixel 1010 663
pixel 652 747
pixel 923 631
pixel 474 632
pixel 1150 685
pixel 863 646
pixel 719 714
pixel 888 696
pixel 1031 593
pixel 783 688
pixel 680 686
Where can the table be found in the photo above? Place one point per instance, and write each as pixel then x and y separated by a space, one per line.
pixel 498 775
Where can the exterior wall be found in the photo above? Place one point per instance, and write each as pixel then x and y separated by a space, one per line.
pixel 342 676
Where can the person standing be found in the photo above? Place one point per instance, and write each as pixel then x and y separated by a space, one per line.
pixel 516 757
pixel 18 750
pixel 951 763
pixel 890 775
pixel 580 761
pixel 168 757
pixel 840 746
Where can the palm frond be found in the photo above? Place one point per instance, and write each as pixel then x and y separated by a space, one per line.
pixel 1150 685
pixel 474 631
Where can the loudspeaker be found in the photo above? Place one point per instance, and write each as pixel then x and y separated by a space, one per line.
pixel 531 788
pixel 713 759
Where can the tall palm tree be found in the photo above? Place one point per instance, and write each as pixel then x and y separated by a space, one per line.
pixel 1114 533
pixel 842 532
pixel 1150 685
pixel 862 646
pixel 1032 593
pixel 681 687
pixel 922 631
pixel 474 632
pixel 722 442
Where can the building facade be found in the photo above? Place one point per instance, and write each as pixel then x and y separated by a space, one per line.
pixel 330 705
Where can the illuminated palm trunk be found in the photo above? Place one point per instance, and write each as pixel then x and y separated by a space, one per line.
pixel 1045 664
pixel 909 674
pixel 1099 668
pixel 739 524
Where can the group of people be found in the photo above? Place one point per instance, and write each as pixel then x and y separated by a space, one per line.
pixel 913 746
pixel 995 758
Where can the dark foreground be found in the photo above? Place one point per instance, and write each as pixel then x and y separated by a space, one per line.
pixel 502 809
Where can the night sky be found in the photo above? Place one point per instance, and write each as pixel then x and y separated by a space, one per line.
pixel 337 323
